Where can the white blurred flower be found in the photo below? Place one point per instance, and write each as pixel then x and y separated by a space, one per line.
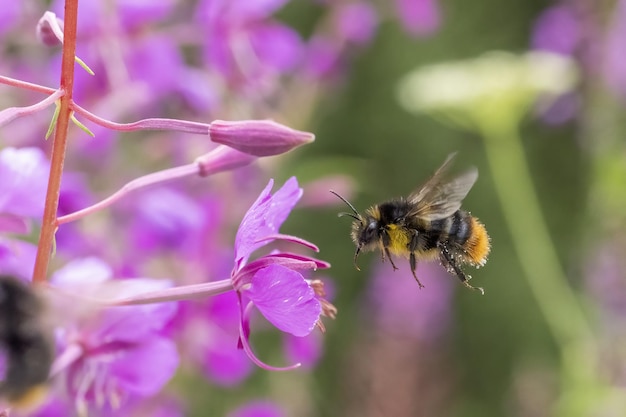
pixel 494 85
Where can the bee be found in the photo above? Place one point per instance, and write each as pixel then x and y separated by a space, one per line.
pixel 427 225
pixel 25 342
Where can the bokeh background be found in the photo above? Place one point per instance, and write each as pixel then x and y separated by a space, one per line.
pixel 547 339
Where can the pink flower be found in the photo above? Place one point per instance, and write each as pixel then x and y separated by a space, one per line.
pixel 110 355
pixel 274 283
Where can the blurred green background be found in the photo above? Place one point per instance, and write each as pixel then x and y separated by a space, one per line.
pixel 500 357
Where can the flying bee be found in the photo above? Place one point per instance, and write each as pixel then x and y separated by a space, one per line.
pixel 427 225
pixel 26 343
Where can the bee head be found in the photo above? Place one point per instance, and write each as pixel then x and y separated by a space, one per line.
pixel 364 229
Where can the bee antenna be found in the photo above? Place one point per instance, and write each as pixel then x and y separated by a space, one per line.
pixel 349 205
pixel 348 214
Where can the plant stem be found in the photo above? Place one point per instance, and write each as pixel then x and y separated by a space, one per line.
pixel 539 261
pixel 136 184
pixel 49 222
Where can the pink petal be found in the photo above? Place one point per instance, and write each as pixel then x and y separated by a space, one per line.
pixel 147 367
pixel 244 343
pixel 265 217
pixel 285 299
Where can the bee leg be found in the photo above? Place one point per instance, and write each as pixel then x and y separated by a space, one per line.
pixel 447 260
pixel 413 263
pixel 395 268
pixel 412 259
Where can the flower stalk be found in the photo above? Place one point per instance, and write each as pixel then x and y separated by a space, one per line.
pixel 49 223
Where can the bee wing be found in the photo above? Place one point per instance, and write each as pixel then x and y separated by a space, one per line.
pixel 439 198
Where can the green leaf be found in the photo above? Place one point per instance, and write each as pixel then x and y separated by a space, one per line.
pixel 82 126
pixel 85 67
pixel 55 117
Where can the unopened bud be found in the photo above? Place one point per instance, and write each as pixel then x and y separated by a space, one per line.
pixel 258 137
pixel 222 159
pixel 50 29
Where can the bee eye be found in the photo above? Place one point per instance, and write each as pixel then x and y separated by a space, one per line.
pixel 370 230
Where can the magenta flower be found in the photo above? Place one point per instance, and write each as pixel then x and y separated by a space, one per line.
pixel 17 258
pixel 419 17
pixel 243 43
pixel 398 307
pixel 357 22
pixel 559 30
pixel 273 283
pixel 110 355
pixel 223 364
pixel 23 181
pixel 9 16
pixel 164 218
pixel 615 67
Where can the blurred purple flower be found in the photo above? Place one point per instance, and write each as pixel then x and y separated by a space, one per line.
pixel 323 58
pixel 17 258
pixel 306 350
pixel 157 61
pixel 243 43
pixel 222 364
pixel 53 406
pixel 134 13
pixel 557 30
pixel 164 218
pixel 95 17
pixel 419 17
pixel 357 22
pixel 259 408
pixel 398 306
pixel 9 15
pixel 317 191
pixel 606 281
pixel 111 355
pixel 273 282
pixel 75 195
pixel 24 177
pixel 615 59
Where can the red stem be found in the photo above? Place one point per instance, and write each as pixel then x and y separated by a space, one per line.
pixel 49 223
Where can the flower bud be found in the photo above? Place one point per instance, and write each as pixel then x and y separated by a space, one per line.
pixel 50 29
pixel 222 159
pixel 258 137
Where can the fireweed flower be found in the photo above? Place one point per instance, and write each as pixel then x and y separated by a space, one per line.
pixel 17 258
pixel 9 16
pixel 244 44
pixel 398 308
pixel 357 22
pixel 558 29
pixel 615 67
pixel 221 363
pixel 273 282
pixel 419 17
pixel 109 356
pixel 23 182
pixel 164 218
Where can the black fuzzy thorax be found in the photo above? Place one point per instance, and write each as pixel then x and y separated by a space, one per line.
pixel 453 230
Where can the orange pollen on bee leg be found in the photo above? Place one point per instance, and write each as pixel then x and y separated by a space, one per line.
pixel 478 245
